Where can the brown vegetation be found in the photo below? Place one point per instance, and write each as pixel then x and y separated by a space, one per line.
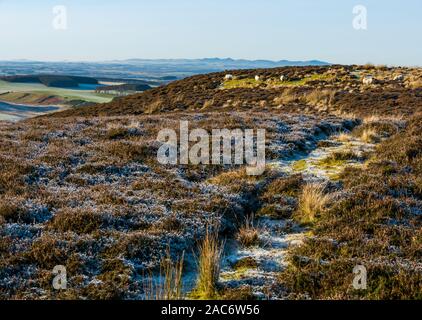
pixel 376 224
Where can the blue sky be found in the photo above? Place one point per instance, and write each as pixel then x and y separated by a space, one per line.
pixel 265 29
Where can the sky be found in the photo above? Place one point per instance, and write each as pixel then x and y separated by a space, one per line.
pixel 98 30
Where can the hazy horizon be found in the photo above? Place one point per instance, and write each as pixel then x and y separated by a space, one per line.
pixel 203 58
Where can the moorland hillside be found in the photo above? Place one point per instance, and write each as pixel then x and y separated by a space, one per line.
pixel 320 90
pixel 342 187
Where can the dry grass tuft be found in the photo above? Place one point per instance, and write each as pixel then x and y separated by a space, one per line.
pixel 248 235
pixel 210 252
pixel 169 283
pixel 80 221
pixel 312 202
pixel 369 135
pixel 343 137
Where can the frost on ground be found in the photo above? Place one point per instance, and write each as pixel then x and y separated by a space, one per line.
pixel 259 266
pixel 89 194
pixel 83 189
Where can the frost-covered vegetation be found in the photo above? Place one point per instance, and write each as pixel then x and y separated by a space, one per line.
pixel 342 187
pixel 89 194
pixel 375 221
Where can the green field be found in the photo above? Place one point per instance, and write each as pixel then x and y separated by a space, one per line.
pixel 38 91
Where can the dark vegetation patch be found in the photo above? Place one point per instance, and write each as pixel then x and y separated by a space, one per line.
pixel 124 87
pixel 61 81
pixel 279 197
pixel 78 220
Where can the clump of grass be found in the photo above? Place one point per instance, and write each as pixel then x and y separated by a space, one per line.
pixel 237 180
pixel 231 177
pixel 169 284
pixel 9 211
pixel 287 186
pixel 299 165
pixel 415 82
pixel 312 202
pixel 343 155
pixel 117 133
pixel 327 144
pixel 127 151
pixel 337 159
pixel 46 252
pixel 343 137
pixel 171 224
pixel 273 210
pixel 210 252
pixel 246 263
pixel 374 128
pixel 288 96
pixel 369 135
pixel 241 293
pixel 248 234
pixel 318 97
pixel 79 221
pixel 33 135
pixel 278 198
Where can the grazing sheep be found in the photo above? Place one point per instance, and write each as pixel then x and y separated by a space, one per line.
pixel 367 80
pixel 228 77
pixel 257 78
pixel 283 78
pixel 398 77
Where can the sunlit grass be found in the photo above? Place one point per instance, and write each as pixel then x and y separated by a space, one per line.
pixel 299 165
pixel 312 202
pixel 241 83
pixel 209 259
pixel 252 83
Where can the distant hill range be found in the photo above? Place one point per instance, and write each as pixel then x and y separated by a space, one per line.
pixel 222 64
pixel 208 65
pixel 152 71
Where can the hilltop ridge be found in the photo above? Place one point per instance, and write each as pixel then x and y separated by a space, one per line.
pixel 311 89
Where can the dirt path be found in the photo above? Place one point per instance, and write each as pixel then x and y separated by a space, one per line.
pixel 259 266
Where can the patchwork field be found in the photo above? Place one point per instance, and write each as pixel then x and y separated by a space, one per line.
pixel 38 94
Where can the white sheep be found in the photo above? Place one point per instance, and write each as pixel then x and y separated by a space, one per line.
pixel 257 78
pixel 228 77
pixel 367 80
pixel 282 78
pixel 398 77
